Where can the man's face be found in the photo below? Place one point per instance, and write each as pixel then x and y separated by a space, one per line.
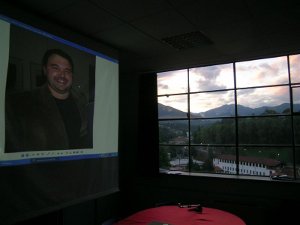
pixel 59 74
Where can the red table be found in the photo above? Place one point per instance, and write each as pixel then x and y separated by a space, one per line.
pixel 175 215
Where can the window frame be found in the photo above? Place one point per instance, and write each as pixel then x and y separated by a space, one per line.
pixel 237 145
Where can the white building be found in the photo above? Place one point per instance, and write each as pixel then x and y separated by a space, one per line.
pixel 247 165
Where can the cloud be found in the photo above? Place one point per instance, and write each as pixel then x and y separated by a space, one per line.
pixel 258 97
pixel 209 78
pixel 262 72
pixel 172 82
pixel 295 68
pixel 272 72
pixel 163 86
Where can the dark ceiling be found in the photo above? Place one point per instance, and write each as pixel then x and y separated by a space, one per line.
pixel 167 34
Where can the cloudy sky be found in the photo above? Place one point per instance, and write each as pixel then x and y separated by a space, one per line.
pixel 220 78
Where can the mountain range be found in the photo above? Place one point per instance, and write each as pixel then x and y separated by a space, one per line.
pixel 225 110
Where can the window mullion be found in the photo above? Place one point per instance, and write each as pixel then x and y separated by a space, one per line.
pixel 236 121
pixel 189 120
pixel 292 119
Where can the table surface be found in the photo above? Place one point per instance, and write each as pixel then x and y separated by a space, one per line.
pixel 174 215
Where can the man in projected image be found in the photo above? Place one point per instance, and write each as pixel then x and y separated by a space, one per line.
pixel 50 117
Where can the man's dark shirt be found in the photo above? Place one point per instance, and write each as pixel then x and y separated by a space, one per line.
pixel 72 120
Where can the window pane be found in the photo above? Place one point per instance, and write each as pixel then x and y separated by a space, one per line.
pixel 212 104
pixel 261 101
pixel 297 129
pixel 173 132
pixel 174 106
pixel 295 68
pixel 265 161
pixel 297 163
pixel 211 78
pixel 172 82
pixel 265 130
pixel 174 158
pixel 200 159
pixel 209 159
pixel 221 160
pixel 262 72
pixel 213 131
pixel 296 99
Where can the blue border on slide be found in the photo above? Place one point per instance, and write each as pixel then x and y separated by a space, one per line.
pixel 33 160
pixel 56 38
pixel 18 162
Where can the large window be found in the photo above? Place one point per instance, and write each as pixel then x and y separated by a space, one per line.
pixel 240 118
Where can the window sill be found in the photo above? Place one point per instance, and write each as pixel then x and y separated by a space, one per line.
pixel 229 176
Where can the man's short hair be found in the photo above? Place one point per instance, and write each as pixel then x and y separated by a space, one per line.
pixel 59 52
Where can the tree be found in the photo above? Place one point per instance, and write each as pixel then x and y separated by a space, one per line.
pixel 164 159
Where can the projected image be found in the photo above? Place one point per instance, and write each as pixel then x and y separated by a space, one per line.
pixel 52 89
pixel 53 115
